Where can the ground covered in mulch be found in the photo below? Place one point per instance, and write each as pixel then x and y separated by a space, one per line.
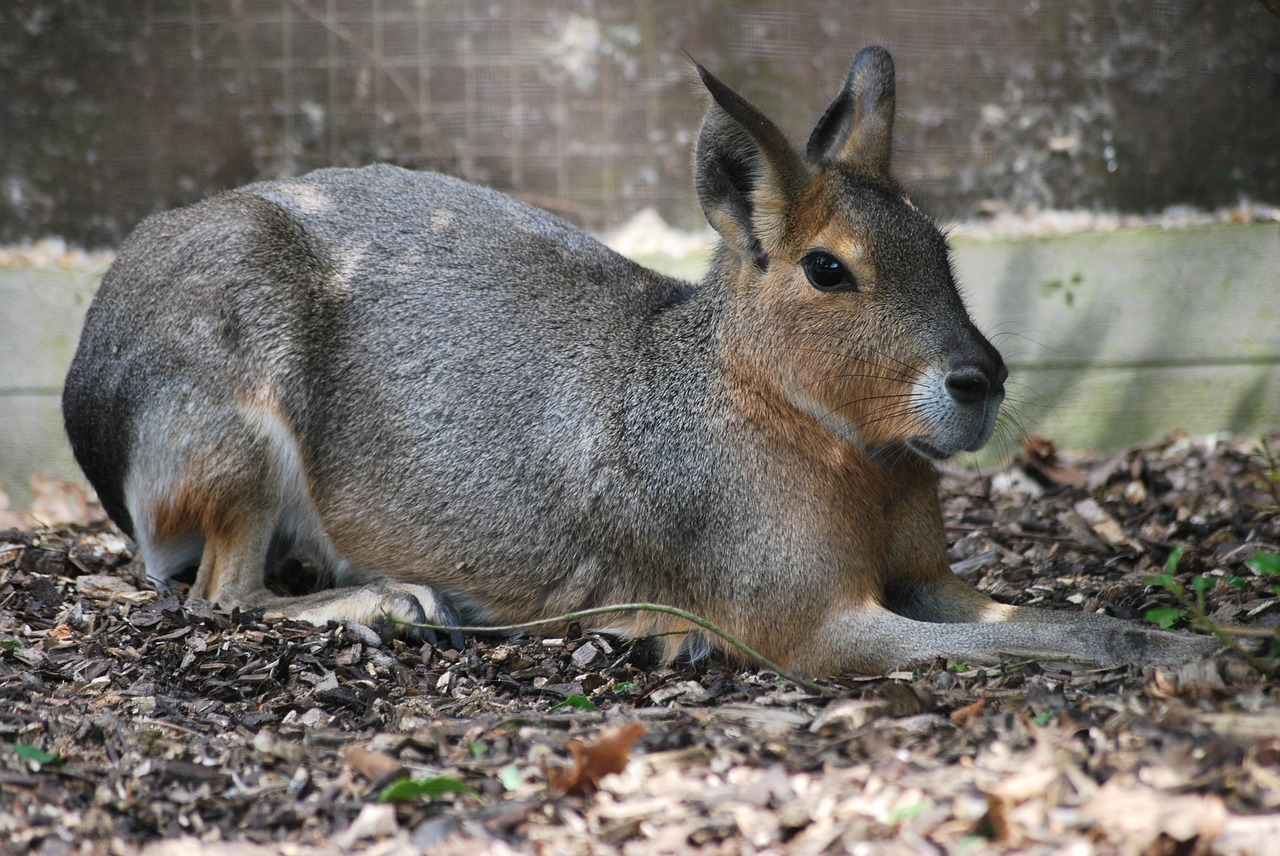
pixel 129 721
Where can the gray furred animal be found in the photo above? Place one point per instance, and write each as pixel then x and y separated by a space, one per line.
pixel 453 401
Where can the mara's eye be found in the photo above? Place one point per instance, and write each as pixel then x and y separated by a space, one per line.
pixel 826 273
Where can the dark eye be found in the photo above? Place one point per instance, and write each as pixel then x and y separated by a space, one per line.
pixel 826 273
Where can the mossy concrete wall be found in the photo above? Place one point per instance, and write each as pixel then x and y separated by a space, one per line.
pixel 1117 338
pixel 1112 338
pixel 41 312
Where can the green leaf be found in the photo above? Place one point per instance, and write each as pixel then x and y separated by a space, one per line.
pixel 1171 564
pixel 10 644
pixel 1164 616
pixel 624 686
pixel 1202 584
pixel 38 756
pixel 1165 581
pixel 1044 718
pixel 1267 564
pixel 477 749
pixel 511 777
pixel 906 812
pixel 407 790
pixel 1236 582
pixel 580 702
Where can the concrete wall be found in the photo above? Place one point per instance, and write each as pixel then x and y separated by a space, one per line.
pixel 1112 338
pixel 1118 338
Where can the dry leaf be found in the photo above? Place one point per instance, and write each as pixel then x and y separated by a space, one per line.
pixel 1041 462
pixel 850 715
pixel 971 712
pixel 1103 524
pixel 1134 815
pixel 594 760
pixel 374 821
pixel 105 585
pixel 374 766
pixel 59 501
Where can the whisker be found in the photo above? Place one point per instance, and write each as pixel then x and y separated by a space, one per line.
pixel 855 401
pixel 831 379
pixel 865 347
pixel 883 416
pixel 891 372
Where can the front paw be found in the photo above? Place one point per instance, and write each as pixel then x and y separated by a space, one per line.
pixel 1140 646
pixel 408 606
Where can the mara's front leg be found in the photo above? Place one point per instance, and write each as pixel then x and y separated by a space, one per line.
pixel 917 581
pixel 872 639
pixel 928 612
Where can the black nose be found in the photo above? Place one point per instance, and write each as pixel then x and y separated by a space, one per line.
pixel 968 385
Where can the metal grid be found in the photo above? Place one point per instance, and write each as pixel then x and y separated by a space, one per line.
pixel 589 108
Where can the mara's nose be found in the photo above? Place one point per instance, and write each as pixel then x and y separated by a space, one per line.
pixel 969 385
pixel 977 371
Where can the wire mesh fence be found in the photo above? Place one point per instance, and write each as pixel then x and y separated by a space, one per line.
pixel 113 109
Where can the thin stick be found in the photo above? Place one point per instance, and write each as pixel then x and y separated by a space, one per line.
pixel 638 607
pixel 1257 632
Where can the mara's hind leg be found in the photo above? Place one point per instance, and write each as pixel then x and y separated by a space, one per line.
pixel 394 604
pixel 227 503
pixel 210 500
pixel 233 574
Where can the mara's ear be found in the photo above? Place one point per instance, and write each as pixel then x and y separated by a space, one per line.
pixel 748 175
pixel 857 128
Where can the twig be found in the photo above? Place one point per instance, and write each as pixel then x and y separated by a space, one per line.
pixel 1256 632
pixel 698 620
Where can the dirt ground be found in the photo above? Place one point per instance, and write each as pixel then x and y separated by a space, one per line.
pixel 130 723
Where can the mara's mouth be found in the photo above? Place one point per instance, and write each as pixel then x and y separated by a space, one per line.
pixel 927 450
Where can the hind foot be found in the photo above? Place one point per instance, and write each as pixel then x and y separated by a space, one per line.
pixel 396 607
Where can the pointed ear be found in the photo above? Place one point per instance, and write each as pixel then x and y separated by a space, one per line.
pixel 747 173
pixel 857 128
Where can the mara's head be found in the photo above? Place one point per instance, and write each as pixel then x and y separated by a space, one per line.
pixel 842 300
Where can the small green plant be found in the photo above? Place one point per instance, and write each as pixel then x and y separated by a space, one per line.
pixel 408 790
pixel 1191 604
pixel 580 702
pixel 905 812
pixel 1266 565
pixel 1168 616
pixel 1271 475
pixel 1044 718
pixel 1065 288
pixel 38 756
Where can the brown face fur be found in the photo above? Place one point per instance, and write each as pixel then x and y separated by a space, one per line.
pixel 842 358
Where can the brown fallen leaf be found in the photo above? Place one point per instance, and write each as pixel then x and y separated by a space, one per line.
pixel 971 712
pixel 1040 461
pixel 54 502
pixel 60 501
pixel 1134 816
pixel 374 766
pixel 593 760
pixel 850 715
